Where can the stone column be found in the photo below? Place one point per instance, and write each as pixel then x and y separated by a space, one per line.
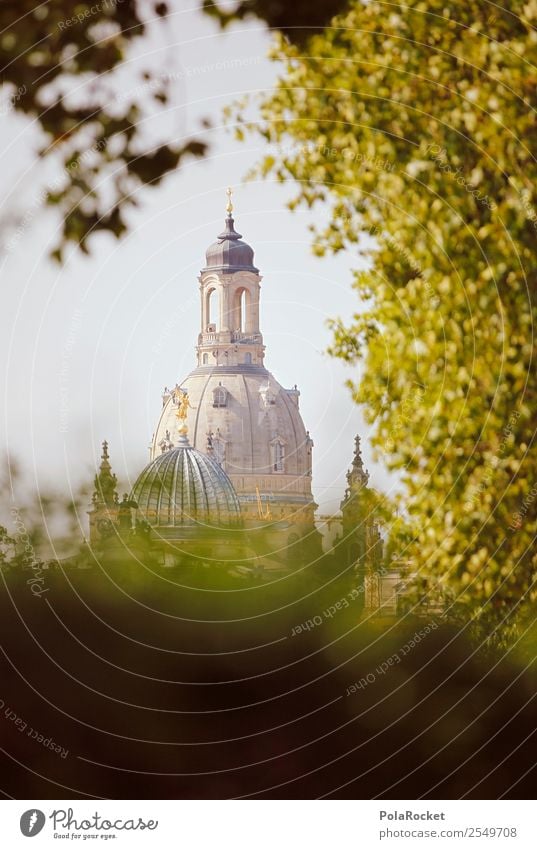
pixel 224 307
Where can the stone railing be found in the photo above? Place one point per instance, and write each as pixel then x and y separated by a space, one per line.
pixel 240 336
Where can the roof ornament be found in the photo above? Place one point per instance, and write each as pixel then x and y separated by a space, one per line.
pixel 229 205
pixel 357 476
pixel 181 399
pixel 229 253
pixel 105 481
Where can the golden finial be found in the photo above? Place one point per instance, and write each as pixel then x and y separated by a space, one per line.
pixel 182 401
pixel 229 205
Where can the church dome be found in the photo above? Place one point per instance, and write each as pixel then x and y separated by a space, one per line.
pixel 237 413
pixel 251 426
pixel 183 487
pixel 229 253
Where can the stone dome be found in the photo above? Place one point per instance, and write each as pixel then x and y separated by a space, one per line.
pixel 252 427
pixel 230 253
pixel 183 487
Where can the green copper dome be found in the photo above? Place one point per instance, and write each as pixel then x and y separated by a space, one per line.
pixel 183 487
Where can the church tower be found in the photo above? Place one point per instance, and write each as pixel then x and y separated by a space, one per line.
pixel 230 286
pixel 238 413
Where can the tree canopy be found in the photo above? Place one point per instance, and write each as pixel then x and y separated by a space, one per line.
pixel 59 64
pixel 416 126
pixel 62 62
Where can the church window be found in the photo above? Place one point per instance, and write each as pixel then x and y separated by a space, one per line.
pixel 205 359
pixel 242 304
pixel 278 456
pixel 220 396
pixel 242 311
pixel 248 358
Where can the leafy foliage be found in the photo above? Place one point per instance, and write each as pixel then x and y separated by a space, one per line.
pixel 60 60
pixel 297 20
pixel 417 128
pixel 6 546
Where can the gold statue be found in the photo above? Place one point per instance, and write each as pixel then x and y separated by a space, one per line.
pixel 229 206
pixel 180 397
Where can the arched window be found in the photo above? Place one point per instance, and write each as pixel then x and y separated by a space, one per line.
pixel 211 309
pixel 248 358
pixel 205 359
pixel 220 396
pixel 242 313
pixel 277 447
pixel 241 310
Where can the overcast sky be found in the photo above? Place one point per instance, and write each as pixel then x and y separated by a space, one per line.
pixel 89 347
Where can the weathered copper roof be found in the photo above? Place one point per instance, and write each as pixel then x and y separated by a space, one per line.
pixel 230 253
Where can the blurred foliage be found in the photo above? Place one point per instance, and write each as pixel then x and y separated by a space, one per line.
pixel 60 61
pixel 297 20
pixel 397 530
pixel 187 683
pixel 7 552
pixel 60 69
pixel 206 681
pixel 416 126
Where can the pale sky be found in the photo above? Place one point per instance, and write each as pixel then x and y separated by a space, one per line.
pixel 88 347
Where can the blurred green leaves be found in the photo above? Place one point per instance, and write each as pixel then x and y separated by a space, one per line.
pixel 297 20
pixel 60 64
pixel 417 125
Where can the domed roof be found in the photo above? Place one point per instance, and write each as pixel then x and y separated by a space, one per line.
pixel 183 487
pixel 229 253
pixel 242 429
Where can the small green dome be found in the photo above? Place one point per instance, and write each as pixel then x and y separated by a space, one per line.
pixel 183 487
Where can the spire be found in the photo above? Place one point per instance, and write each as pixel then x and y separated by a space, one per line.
pixel 229 233
pixel 357 474
pixel 229 253
pixel 105 481
pixel 229 205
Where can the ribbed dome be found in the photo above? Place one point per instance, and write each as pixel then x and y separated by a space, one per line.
pixel 229 253
pixel 183 487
